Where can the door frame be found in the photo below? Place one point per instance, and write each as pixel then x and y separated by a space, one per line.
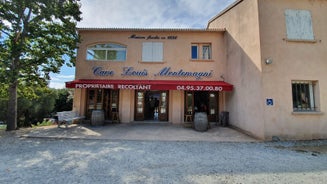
pixel 212 107
pixel 140 108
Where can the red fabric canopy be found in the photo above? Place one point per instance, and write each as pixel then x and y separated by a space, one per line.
pixel 151 85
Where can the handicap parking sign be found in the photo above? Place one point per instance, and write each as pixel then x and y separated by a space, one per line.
pixel 269 101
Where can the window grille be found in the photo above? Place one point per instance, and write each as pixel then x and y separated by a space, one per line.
pixel 303 95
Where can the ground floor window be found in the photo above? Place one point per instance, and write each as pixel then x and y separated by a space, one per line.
pixel 304 95
pixel 151 106
pixel 102 99
pixel 202 101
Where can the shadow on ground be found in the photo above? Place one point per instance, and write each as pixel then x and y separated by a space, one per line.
pixel 140 131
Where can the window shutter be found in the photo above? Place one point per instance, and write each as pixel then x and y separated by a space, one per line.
pixel 157 51
pixel 299 24
pixel 147 51
pixel 152 52
pixel 194 51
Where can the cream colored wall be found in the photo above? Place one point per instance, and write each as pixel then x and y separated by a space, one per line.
pixel 176 103
pixel 254 81
pixel 126 106
pixel 177 55
pixel 77 102
pixel 244 66
pixel 293 61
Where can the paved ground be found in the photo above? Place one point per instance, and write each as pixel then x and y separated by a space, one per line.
pixel 141 131
pixel 97 158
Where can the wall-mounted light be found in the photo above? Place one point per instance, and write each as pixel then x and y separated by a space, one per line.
pixel 269 61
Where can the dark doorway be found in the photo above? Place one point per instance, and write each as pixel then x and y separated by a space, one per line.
pixel 151 106
pixel 201 101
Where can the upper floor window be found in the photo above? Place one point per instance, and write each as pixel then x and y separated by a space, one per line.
pixel 299 25
pixel 106 52
pixel 152 52
pixel 201 51
pixel 304 95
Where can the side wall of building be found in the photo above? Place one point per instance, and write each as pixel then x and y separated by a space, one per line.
pixel 293 60
pixel 244 66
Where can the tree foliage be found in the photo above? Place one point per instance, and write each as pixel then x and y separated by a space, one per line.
pixel 64 101
pixel 37 37
pixel 34 110
pixel 45 103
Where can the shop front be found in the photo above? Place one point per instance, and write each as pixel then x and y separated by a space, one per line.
pixel 151 100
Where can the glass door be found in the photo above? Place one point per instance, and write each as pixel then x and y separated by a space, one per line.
pixel 102 99
pixel 189 103
pixel 213 107
pixel 94 101
pixel 151 106
pixel 202 101
pixel 163 106
pixel 139 106
pixel 112 105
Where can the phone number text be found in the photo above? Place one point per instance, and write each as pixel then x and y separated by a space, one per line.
pixel 199 88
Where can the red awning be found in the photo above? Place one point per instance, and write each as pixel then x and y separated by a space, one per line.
pixel 151 85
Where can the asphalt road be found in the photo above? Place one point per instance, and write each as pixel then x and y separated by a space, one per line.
pixel 41 160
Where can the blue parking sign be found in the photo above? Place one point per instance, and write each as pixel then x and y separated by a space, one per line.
pixel 269 101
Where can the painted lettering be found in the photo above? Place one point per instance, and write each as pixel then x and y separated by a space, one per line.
pixel 129 71
pixel 102 86
pixel 98 71
pixel 135 87
pixel 134 36
pixel 153 37
pixel 172 37
pixel 181 73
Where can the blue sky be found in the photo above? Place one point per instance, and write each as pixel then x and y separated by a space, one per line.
pixel 142 14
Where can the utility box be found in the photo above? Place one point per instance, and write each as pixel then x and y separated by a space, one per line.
pixel 224 118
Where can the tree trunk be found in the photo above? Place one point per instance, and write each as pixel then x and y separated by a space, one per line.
pixel 12 107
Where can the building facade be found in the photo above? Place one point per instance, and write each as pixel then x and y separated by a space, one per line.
pixel 263 61
pixel 150 75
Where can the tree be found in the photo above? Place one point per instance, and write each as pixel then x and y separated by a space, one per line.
pixel 37 37
pixel 64 101
pixel 34 110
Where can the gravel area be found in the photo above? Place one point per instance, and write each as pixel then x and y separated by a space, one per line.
pixel 42 160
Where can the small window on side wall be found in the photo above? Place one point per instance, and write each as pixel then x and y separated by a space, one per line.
pixel 304 96
pixel 201 51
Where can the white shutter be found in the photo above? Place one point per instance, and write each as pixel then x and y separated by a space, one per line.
pixel 157 51
pixel 147 51
pixel 152 52
pixel 299 24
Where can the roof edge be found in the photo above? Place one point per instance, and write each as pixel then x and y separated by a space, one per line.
pixel 224 11
pixel 153 29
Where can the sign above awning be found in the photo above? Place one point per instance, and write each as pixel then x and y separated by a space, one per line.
pixel 151 85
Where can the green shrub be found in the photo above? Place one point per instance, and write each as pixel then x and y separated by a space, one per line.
pixel 43 123
pixel 3 127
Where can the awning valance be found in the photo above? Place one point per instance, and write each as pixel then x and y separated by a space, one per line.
pixel 151 85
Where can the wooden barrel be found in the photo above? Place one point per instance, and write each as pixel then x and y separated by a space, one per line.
pixel 97 117
pixel 201 121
